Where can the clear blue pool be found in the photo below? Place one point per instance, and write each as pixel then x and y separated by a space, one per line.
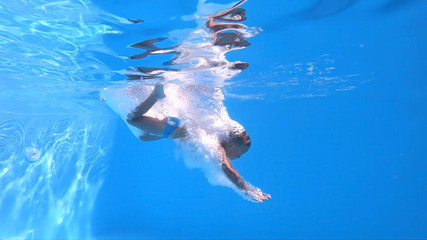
pixel 333 99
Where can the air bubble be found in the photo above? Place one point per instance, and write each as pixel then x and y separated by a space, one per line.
pixel 32 154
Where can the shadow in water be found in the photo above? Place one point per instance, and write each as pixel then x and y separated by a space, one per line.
pixel 394 5
pixel 325 8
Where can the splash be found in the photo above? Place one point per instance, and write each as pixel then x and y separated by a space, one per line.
pixel 200 109
pixel 193 82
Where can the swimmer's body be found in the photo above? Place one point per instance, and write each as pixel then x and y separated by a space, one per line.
pixel 232 148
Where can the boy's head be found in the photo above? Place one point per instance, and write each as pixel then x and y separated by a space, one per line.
pixel 236 144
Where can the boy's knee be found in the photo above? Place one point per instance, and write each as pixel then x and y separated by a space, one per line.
pixel 131 117
pixel 131 120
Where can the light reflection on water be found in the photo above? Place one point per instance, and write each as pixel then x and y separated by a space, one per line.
pixel 198 56
pixel 51 195
pixel 47 52
pixel 54 134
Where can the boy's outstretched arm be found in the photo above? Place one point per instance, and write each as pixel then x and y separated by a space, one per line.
pixel 234 176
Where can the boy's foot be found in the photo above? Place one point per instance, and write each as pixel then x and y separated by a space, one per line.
pixel 159 91
pixel 239 65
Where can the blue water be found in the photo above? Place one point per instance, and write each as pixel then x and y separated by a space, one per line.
pixel 333 99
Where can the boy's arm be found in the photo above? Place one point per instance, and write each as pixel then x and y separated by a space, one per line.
pixel 230 172
pixel 234 176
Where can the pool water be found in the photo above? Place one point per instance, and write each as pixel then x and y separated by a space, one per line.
pixel 333 100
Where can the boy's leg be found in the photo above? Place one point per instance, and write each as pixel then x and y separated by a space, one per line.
pixel 149 125
pixel 146 105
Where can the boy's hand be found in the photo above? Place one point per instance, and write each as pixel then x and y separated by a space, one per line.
pixel 256 194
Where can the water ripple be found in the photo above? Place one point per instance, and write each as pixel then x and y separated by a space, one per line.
pixel 12 137
pixel 50 175
pixel 49 46
pixel 200 57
